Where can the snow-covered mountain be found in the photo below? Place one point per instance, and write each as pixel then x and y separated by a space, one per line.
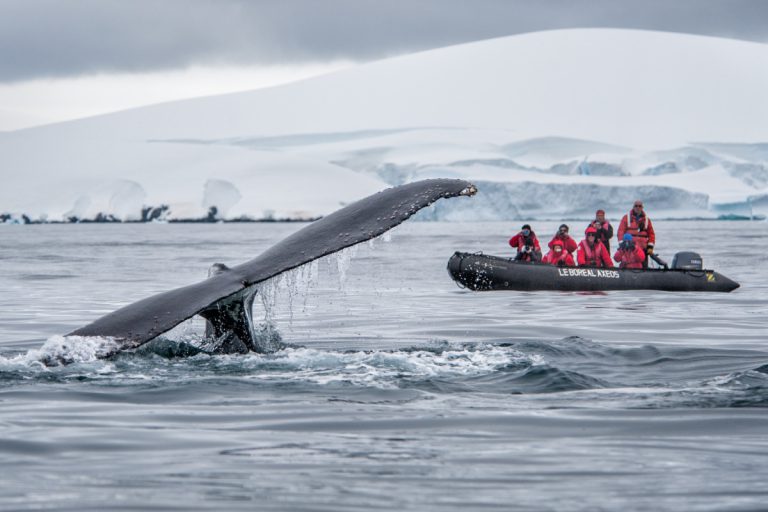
pixel 550 124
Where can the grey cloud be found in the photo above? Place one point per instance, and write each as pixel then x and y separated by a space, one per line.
pixel 51 38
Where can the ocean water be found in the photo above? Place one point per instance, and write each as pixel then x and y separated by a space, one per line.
pixel 398 390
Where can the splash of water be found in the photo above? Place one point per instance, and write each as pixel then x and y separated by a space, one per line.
pixel 295 286
pixel 69 349
pixel 384 369
pixel 343 260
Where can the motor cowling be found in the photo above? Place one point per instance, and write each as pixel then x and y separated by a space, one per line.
pixel 687 260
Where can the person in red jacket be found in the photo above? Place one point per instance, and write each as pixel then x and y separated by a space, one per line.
pixel 569 244
pixel 629 254
pixel 604 229
pixel 558 256
pixel 637 224
pixel 527 245
pixel 592 252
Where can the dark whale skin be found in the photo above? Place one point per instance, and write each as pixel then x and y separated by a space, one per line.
pixel 138 323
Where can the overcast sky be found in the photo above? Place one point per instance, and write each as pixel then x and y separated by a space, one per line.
pixel 55 54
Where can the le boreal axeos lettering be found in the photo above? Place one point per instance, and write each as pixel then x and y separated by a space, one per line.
pixel 588 272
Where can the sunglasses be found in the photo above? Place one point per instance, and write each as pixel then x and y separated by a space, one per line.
pixel 638 205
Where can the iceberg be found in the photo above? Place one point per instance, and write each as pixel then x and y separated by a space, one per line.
pixel 530 200
pixel 551 123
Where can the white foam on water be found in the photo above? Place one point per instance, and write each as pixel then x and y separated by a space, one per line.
pixel 381 368
pixel 737 381
pixel 65 350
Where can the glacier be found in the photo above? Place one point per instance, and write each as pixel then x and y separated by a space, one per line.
pixel 550 124
pixel 540 201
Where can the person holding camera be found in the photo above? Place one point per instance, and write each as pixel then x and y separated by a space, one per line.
pixel 592 252
pixel 558 256
pixel 569 244
pixel 629 254
pixel 527 245
pixel 604 229
pixel 637 224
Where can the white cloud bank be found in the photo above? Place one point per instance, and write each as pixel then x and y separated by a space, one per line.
pixel 43 101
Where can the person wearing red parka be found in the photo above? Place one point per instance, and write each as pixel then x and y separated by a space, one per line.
pixel 604 229
pixel 527 245
pixel 569 244
pixel 629 254
pixel 592 252
pixel 637 224
pixel 558 256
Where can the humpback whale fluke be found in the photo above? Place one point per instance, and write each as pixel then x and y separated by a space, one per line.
pixel 226 297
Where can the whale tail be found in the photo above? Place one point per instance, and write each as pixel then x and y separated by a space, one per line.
pixel 225 299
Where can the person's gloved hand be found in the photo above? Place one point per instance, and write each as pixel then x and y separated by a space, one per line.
pixel 649 249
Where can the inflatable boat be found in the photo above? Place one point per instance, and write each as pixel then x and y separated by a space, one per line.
pixel 482 272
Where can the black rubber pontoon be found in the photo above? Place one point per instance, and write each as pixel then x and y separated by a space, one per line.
pixel 481 272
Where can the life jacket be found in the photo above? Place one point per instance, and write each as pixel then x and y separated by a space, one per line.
pixel 529 240
pixel 593 256
pixel 641 230
pixel 568 243
pixel 632 258
pixel 564 259
pixel 590 253
pixel 520 241
pixel 604 233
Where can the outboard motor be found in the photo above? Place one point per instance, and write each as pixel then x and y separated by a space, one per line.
pixel 687 260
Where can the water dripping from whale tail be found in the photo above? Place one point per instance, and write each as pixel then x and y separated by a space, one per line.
pixel 137 323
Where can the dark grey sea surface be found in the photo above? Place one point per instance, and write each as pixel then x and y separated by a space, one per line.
pixel 399 390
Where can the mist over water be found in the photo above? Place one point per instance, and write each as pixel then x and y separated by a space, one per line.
pixel 397 389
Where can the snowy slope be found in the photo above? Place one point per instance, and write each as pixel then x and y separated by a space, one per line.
pixel 121 178
pixel 611 109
